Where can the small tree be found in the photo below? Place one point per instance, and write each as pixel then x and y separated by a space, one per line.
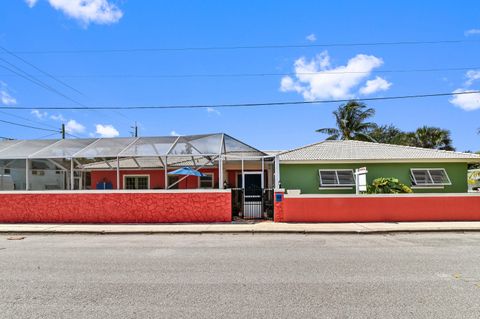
pixel 388 185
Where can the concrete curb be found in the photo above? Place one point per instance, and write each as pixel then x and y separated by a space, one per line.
pixel 258 228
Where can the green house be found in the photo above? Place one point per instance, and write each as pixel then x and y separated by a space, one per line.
pixel 328 167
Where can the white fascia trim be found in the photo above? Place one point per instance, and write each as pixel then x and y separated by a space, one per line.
pixel 380 161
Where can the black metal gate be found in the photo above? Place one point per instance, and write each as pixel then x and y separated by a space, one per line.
pixel 252 203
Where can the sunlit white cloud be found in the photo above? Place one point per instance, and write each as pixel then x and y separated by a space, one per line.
pixel 39 114
pixel 212 110
pixel 31 3
pixel 174 133
pixel 73 127
pixel 5 97
pixel 317 78
pixel 86 11
pixel 311 37
pixel 58 117
pixel 375 85
pixel 106 130
pixel 472 32
pixel 468 102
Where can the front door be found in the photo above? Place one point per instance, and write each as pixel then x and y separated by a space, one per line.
pixel 253 203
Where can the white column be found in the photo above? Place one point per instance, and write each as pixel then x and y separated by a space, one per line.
pixel 166 171
pixel 277 172
pixel 72 175
pixel 263 178
pixel 220 172
pixel 243 176
pixel 118 172
pixel 27 174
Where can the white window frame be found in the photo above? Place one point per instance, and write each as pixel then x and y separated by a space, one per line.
pixel 135 175
pixel 213 181
pixel 433 184
pixel 336 174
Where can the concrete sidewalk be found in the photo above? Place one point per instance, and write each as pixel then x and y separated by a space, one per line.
pixel 258 227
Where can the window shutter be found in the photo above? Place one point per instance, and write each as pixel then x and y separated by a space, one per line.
pixel 328 178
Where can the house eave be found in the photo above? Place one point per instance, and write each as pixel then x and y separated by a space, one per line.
pixel 366 161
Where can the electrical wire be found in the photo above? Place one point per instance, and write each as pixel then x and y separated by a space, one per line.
pixel 40 70
pixel 238 105
pixel 28 120
pixel 245 47
pixel 227 75
pixel 29 126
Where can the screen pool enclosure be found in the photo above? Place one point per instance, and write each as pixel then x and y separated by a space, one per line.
pixel 49 164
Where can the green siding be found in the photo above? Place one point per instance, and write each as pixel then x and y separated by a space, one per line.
pixel 305 176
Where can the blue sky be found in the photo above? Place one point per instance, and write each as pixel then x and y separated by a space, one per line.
pixel 56 25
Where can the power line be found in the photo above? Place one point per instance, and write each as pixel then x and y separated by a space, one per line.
pixel 42 84
pixel 226 75
pixel 40 70
pixel 29 126
pixel 34 80
pixel 245 47
pixel 26 119
pixel 238 105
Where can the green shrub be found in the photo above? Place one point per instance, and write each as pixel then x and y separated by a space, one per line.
pixel 388 185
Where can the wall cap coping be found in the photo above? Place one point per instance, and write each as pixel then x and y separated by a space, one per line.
pixel 326 196
pixel 117 191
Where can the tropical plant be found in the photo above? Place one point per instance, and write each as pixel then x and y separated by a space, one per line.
pixel 350 120
pixel 388 185
pixel 432 137
pixel 390 134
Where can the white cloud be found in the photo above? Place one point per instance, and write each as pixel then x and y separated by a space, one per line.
pixel 106 130
pixel 317 78
pixel 375 85
pixel 472 32
pixel 58 117
pixel 311 37
pixel 173 133
pixel 86 11
pixel 74 127
pixel 39 114
pixel 472 76
pixel 212 110
pixel 5 97
pixel 468 102
pixel 31 3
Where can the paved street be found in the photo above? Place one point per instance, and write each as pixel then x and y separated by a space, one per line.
pixel 427 275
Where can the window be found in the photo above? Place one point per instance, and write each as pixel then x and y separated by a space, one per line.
pixel 429 177
pixel 336 178
pixel 6 171
pixel 206 181
pixel 172 181
pixel 136 182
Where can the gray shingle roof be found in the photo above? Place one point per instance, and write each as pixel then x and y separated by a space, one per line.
pixel 356 150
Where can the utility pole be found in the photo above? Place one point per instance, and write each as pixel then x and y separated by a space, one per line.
pixel 135 129
pixel 63 131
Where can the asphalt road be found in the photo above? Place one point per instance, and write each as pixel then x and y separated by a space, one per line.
pixel 434 275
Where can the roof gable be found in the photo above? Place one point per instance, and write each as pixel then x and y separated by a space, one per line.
pixel 349 150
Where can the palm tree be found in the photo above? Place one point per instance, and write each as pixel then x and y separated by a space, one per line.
pixel 390 134
pixel 433 137
pixel 350 121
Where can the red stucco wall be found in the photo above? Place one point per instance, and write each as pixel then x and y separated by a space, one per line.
pixel 378 209
pixel 110 207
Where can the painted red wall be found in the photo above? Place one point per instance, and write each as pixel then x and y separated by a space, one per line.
pixel 378 209
pixel 157 178
pixel 111 207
